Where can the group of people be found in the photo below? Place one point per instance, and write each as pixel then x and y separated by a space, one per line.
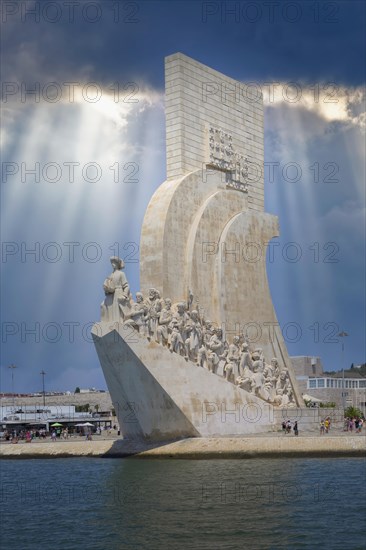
pixel 183 330
pixel 64 433
pixel 24 435
pixel 287 427
pixel 325 425
pixel 353 424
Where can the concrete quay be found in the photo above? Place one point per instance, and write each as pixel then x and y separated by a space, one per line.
pixel 261 446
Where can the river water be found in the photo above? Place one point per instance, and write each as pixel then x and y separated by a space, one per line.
pixel 108 504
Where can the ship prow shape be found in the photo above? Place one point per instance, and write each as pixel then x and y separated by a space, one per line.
pixel 170 370
pixel 160 395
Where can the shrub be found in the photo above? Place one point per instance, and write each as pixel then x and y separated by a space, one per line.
pixel 353 412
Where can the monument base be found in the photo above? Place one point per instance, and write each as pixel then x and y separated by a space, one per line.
pixel 158 395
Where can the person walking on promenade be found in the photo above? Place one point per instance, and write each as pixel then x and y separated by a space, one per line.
pixel 322 427
pixel 296 429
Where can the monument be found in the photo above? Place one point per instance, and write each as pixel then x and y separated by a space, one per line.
pixel 199 351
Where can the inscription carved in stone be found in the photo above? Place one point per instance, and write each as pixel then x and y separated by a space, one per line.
pixel 222 156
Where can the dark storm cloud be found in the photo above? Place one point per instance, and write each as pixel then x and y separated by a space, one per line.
pixel 308 41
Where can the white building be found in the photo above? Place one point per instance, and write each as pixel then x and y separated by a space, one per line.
pixel 344 392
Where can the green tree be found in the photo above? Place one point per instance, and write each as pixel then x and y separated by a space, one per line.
pixel 363 370
pixel 77 390
pixel 82 408
pixel 353 412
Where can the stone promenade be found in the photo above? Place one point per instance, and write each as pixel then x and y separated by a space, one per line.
pixel 271 446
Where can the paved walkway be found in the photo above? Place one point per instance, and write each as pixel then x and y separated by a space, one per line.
pixel 263 445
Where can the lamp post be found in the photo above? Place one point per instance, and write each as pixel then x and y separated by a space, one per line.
pixel 42 373
pixel 12 367
pixel 343 334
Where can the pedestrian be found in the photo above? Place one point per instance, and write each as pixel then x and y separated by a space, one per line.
pixel 53 435
pixel 296 429
pixel 322 427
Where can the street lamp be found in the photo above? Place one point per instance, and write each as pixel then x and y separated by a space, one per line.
pixel 342 335
pixel 42 373
pixel 12 367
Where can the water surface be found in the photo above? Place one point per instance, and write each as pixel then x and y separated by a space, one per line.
pixel 108 504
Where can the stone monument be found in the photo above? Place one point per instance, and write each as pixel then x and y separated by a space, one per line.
pixel 199 352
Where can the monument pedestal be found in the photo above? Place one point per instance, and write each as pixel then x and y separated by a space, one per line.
pixel 158 395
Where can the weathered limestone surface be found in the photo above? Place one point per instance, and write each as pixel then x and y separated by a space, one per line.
pixel 198 235
pixel 197 96
pixel 159 395
pixel 198 448
pixel 203 250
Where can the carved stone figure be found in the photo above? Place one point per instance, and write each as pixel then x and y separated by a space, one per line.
pixel 258 381
pixel 245 360
pixel 231 369
pixel 181 316
pixel 137 315
pixel 257 355
pixel 284 394
pixel 245 381
pixel 165 318
pixel 153 312
pixel 176 343
pixel 186 333
pixel 207 332
pixel 116 305
pixel 216 351
pixel 194 332
pixel 270 374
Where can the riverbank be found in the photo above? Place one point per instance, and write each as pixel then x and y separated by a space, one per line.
pixel 270 446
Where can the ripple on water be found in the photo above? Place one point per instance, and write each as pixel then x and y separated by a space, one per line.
pixel 66 504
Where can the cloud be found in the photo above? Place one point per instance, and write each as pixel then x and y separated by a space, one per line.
pixel 330 102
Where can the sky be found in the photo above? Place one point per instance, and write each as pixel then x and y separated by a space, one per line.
pixel 83 153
